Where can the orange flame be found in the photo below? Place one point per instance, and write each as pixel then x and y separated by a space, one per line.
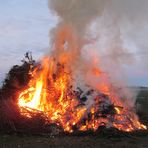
pixel 50 92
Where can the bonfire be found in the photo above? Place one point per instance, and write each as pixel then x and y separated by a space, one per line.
pixel 52 94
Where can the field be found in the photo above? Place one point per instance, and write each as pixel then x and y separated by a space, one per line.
pixel 7 141
pixel 140 141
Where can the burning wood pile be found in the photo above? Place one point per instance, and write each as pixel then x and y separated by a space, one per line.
pixel 46 97
pixel 65 92
pixel 40 98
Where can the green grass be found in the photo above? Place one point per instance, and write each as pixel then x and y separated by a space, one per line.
pixel 142 99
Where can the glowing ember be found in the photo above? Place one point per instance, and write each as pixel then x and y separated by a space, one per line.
pixel 50 92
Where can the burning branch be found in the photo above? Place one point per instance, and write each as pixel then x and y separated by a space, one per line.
pixel 44 96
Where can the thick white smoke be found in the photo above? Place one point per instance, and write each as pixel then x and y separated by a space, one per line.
pixel 113 23
pixel 78 13
pixel 122 42
pixel 125 23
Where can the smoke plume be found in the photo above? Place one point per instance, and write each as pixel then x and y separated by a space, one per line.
pixel 103 32
pixel 77 13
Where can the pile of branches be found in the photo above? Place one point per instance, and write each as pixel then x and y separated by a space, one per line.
pixel 17 78
pixel 11 120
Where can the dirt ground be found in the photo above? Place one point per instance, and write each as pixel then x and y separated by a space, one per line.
pixel 8 141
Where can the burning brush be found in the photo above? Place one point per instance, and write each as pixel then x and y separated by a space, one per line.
pixel 50 93
pixel 50 98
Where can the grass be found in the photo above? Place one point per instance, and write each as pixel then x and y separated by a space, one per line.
pixel 142 100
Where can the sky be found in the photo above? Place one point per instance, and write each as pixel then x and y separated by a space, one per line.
pixel 25 26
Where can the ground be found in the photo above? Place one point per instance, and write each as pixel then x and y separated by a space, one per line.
pixel 8 141
pixel 24 141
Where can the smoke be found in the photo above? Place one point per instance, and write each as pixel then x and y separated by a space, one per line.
pixel 106 30
pixel 122 42
pixel 120 24
pixel 77 13
pixel 75 17
pixel 132 19
pixel 122 37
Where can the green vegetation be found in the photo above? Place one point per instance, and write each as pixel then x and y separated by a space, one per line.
pixel 142 104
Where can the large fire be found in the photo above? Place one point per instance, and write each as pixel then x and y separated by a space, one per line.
pixel 50 91
pixel 52 94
